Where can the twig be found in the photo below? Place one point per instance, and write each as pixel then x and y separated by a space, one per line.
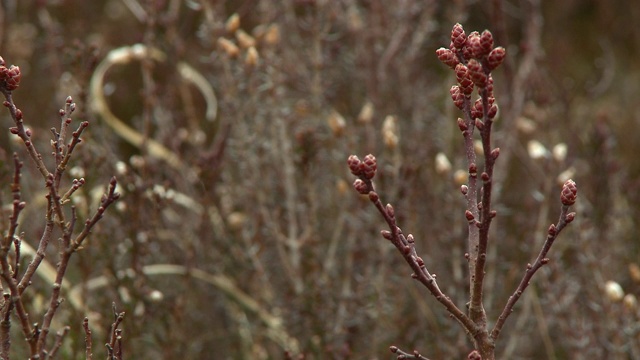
pixel 554 230
pixel 58 343
pixel 114 346
pixel 365 170
pixel 405 355
pixel 87 339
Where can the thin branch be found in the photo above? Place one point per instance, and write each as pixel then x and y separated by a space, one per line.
pixel 107 199
pixel 541 260
pixel 405 355
pixel 365 171
pixel 67 250
pixel 87 339
pixel 58 343
pixel 23 133
pixel 18 205
pixel 114 346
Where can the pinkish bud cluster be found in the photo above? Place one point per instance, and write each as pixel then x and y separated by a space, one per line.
pixel 475 45
pixel 569 193
pixel 9 76
pixel 477 109
pixel 473 57
pixel 365 170
pixel 474 51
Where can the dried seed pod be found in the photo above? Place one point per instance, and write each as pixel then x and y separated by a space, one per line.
pixel 390 132
pixel 337 123
pixel 245 40
pixel 228 47
pixel 233 23
pixel 252 57
pixel 366 113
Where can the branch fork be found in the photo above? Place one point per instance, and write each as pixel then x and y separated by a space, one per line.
pixel 472 58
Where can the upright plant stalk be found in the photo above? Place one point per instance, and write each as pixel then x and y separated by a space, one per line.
pixel 472 57
pixel 14 280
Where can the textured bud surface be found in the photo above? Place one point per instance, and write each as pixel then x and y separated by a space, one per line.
pixel 458 37
pixel 569 193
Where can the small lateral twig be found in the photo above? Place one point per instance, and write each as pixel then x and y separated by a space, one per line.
pixel 88 344
pixel 568 198
pixel 114 346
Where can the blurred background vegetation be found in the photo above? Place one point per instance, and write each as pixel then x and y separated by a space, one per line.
pixel 274 250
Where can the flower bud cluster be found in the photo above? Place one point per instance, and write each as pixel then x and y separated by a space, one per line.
pixel 9 76
pixel 472 57
pixel 365 170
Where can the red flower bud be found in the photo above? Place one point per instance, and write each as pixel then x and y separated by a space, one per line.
pixel 354 165
pixel 477 73
pixel 464 79
pixel 469 216
pixel 361 187
pixel 462 126
pixel 447 57
pixel 391 211
pixel 570 216
pixel 473 43
pixel 495 57
pixel 370 166
pixel 473 170
pixel 458 37
pixel 486 42
pixel 489 86
pixel 569 193
pixel 495 153
pixel 457 96
pixel 476 109
pixel 493 111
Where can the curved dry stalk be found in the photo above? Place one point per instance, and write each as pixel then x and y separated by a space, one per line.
pixel 139 52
